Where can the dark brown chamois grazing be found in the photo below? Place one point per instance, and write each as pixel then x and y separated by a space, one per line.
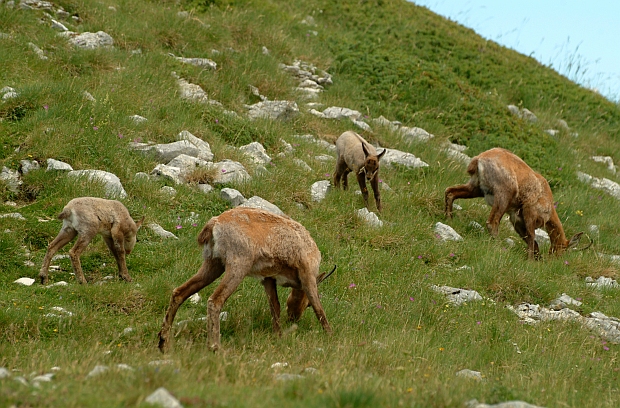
pixel 510 186
pixel 358 156
pixel 86 217
pixel 252 242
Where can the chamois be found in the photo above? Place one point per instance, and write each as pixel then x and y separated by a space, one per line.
pixel 252 242
pixel 510 186
pixel 356 155
pixel 86 217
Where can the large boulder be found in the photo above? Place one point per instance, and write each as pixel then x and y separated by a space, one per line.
pixel 112 183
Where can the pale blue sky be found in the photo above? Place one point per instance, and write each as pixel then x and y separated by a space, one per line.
pixel 578 38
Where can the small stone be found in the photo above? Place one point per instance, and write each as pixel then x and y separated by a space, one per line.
pixel 24 281
pixel 232 196
pixel 446 232
pixel 159 231
pixel 369 217
pixel 279 365
pixel 318 190
pixel 138 118
pixel 99 369
pixel 466 373
pixel 163 398
pixel 53 164
pixel 195 298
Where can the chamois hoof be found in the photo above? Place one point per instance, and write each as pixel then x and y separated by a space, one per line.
pixel 43 279
pixel 164 344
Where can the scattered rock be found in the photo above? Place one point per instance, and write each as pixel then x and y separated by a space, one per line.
pixel 205 188
pixel 275 110
pixel 195 298
pixel 563 301
pixel 279 365
pixel 602 282
pixel 446 232
pixel 324 158
pixel 204 149
pixel 234 197
pixel 29 165
pixel 541 236
pixel 256 152
pixel 167 190
pixel 318 190
pixel 4 373
pixel 88 96
pixel 510 404
pixel 53 164
pixel 194 93
pixel 610 187
pixel 187 164
pixel 90 41
pixel 163 398
pixel 168 172
pixel 522 113
pixel 393 156
pixel 455 152
pixel 112 183
pixel 138 118
pixel 415 134
pixel 606 160
pixel 11 179
pixel 159 231
pixel 466 373
pixel 258 202
pixel 303 165
pixel 37 50
pixel 457 296
pixel 24 281
pixel 204 63
pixel 17 216
pixel 99 369
pixel 288 377
pixel 370 218
pixel 229 171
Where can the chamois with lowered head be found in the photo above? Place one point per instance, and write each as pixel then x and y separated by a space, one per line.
pixel 510 186
pixel 86 217
pixel 358 156
pixel 252 242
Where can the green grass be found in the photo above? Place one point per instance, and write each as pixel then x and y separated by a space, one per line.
pixel 395 342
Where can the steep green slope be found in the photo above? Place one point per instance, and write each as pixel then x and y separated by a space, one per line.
pixel 396 341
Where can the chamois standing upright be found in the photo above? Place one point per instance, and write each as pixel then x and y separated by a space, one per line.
pixel 252 242
pixel 510 186
pixel 358 156
pixel 86 217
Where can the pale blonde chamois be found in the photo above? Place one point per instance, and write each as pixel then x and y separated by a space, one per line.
pixel 358 156
pixel 510 186
pixel 252 242
pixel 86 217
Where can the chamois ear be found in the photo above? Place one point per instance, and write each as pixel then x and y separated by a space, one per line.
pixel 574 241
pixel 381 154
pixel 365 150
pixel 139 223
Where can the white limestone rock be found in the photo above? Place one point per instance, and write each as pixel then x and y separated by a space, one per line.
pixel 11 179
pixel 138 118
pixel 29 165
pixel 610 187
pixel 204 63
pixel 204 149
pixel 393 156
pixel 53 164
pixel 446 232
pixel 457 296
pixel 112 183
pixel 159 231
pixel 467 373
pixel 369 217
pixel 256 152
pixel 319 189
pixel 16 216
pixel 229 171
pixel 274 110
pixel 91 41
pixel 37 51
pixel 168 172
pixel 258 202
pixel 162 397
pixel 415 134
pixel 606 160
pixel 24 281
pixel 232 196
pixel 194 93
pixel 302 164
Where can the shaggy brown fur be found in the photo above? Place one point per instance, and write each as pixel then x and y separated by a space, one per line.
pixel 252 242
pixel 358 156
pixel 510 186
pixel 86 217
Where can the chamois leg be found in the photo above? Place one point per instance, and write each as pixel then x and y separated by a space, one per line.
pixel 210 270
pixel 345 179
pixel 308 284
pixel 235 272
pixel 117 247
pixel 498 209
pixel 529 218
pixel 340 172
pixel 519 224
pixel 374 183
pixel 361 180
pixel 460 191
pixel 274 304
pixel 75 252
pixel 63 238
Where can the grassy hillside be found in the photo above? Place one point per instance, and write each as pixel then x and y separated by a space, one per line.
pixel 396 342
